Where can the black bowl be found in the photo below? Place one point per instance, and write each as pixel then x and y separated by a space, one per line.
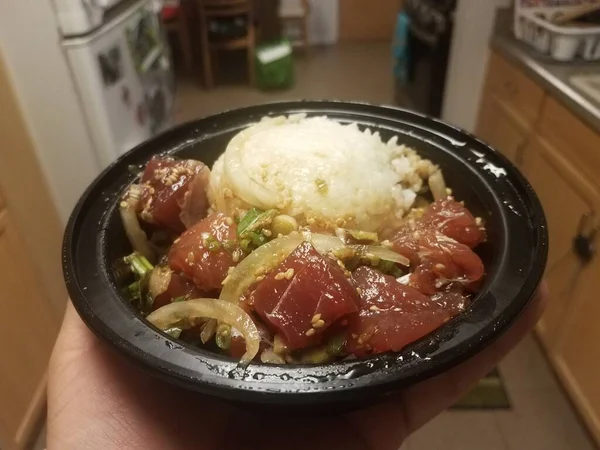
pixel 514 256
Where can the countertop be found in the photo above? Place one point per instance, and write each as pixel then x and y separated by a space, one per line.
pixel 552 76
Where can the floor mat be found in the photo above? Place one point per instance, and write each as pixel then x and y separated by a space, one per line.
pixel 489 393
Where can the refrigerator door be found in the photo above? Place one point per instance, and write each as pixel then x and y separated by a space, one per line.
pixel 124 78
pixel 78 17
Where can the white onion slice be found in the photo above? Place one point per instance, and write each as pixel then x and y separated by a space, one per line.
pixel 385 253
pixel 134 232
pixel 271 253
pixel 437 185
pixel 210 308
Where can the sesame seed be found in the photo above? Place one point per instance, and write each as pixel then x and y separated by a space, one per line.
pixel 229 221
pixel 266 232
pixel 316 318
pixel 280 276
pixel 279 235
pixel 260 278
pixel 260 271
pixel 440 266
pixel 374 308
pixel 123 204
pixel 289 274
pixel 358 291
pixel 235 256
pixel 176 240
pixel 341 264
pixel 319 324
pixel 310 332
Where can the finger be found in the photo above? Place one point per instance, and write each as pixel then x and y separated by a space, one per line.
pixel 386 426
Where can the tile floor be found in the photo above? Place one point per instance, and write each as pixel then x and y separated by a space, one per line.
pixel 542 417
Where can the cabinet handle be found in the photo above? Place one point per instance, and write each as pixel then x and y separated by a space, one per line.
pixel 584 241
pixel 2 222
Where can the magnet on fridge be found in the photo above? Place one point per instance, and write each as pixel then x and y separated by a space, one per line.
pixel 141 115
pixel 126 96
pixel 111 65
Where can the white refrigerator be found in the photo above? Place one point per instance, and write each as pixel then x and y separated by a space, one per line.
pixel 121 67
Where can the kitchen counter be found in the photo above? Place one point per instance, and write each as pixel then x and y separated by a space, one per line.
pixel 552 76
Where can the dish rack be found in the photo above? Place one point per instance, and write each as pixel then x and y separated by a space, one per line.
pixel 559 42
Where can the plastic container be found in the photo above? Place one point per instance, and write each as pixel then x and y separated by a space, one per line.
pixel 561 43
pixel 514 255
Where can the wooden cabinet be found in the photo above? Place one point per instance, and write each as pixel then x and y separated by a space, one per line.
pixel 27 334
pixel 567 197
pixel 560 156
pixel 32 292
pixel 502 128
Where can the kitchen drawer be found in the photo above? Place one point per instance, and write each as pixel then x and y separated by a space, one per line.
pixel 513 87
pixel 577 141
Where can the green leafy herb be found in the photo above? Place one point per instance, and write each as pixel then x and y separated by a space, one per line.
pixel 178 299
pixel 254 221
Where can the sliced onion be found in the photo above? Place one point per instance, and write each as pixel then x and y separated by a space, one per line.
pixel 237 176
pixel 175 313
pixel 269 254
pixel 208 331
pixel 133 230
pixel 270 357
pixel 159 280
pixel 437 185
pixel 385 253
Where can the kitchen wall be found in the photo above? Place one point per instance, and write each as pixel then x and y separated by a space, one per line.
pixel 468 59
pixel 30 43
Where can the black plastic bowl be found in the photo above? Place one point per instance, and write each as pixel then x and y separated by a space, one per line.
pixel 514 256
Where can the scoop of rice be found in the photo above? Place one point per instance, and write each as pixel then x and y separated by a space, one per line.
pixel 317 169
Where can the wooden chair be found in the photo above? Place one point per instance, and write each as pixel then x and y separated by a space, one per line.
pixel 296 12
pixel 215 9
pixel 175 20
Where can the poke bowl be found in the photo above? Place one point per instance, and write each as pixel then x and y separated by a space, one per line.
pixel 305 253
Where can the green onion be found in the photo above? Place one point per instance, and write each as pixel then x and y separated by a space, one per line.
pixel 335 345
pixel 210 242
pixel 178 299
pixel 138 263
pixel 284 225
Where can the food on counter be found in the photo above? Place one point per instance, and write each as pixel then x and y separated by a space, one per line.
pixel 309 241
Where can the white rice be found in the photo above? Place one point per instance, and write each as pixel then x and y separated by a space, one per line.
pixel 317 167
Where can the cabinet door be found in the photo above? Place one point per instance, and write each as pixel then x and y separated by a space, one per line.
pixel 578 355
pixel 27 333
pixel 502 128
pixel 567 197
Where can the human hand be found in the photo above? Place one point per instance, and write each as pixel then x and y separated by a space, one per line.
pixel 97 400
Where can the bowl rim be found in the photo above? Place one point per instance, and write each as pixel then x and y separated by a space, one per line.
pixel 306 384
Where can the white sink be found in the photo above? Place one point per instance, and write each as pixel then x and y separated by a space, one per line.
pixel 588 83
